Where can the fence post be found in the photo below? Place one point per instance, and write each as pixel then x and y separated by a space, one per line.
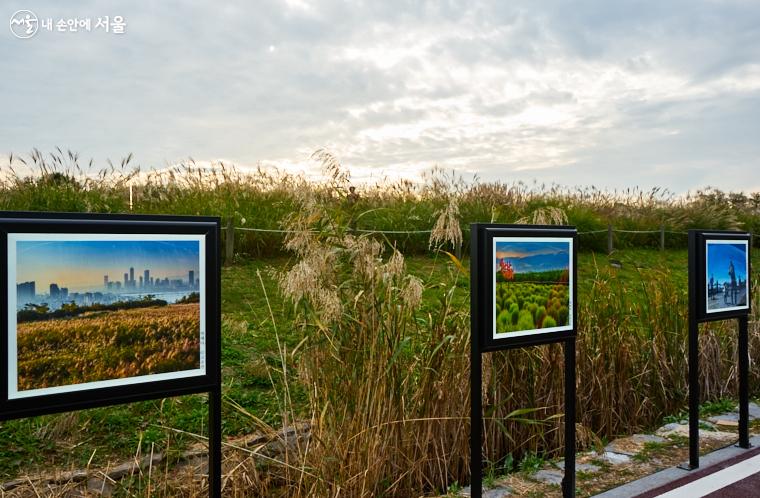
pixel 229 243
pixel 610 246
pixel 662 237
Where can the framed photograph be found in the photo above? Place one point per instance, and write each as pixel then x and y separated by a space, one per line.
pixel 720 268
pixel 726 271
pixel 107 309
pixel 527 284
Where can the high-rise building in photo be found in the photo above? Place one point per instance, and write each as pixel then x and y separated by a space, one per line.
pixel 191 278
pixel 131 276
pixel 146 278
pixel 126 280
pixel 141 281
pixel 54 291
pixel 105 281
pixel 25 292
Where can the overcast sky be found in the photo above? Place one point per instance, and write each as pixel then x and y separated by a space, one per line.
pixel 608 93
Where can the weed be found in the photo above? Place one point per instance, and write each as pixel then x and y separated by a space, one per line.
pixel 531 462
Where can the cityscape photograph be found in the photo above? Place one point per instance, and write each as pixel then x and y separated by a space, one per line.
pixel 727 283
pixel 99 310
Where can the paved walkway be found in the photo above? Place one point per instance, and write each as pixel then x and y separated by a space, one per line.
pixel 643 457
pixel 726 473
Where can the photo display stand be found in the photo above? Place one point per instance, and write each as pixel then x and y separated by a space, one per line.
pixel 523 287
pixel 719 289
pixel 74 276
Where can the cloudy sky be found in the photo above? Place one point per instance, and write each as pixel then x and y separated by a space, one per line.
pixel 608 93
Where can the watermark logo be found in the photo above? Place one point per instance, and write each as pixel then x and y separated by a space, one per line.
pixel 24 24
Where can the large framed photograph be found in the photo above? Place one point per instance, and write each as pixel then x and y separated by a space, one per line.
pixel 527 281
pixel 720 267
pixel 106 309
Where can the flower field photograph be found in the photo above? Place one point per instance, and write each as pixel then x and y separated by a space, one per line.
pixel 532 285
pixel 96 312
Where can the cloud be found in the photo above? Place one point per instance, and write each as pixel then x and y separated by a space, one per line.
pixel 613 94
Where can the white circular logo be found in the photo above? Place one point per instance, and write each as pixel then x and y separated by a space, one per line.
pixel 24 24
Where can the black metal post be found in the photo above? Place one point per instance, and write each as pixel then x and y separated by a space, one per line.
pixel 693 356
pixel 568 481
pixel 215 442
pixel 743 383
pixel 476 374
pixel 693 394
pixel 476 423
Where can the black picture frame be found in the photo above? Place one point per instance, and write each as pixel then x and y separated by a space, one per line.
pixel 482 263
pixel 483 337
pixel 698 313
pixel 700 268
pixel 77 223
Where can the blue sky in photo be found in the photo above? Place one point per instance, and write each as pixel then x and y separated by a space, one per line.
pixel 81 265
pixel 533 256
pixel 718 258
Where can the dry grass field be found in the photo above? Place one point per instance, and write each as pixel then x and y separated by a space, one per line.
pixel 108 345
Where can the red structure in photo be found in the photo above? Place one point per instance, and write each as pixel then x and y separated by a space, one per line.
pixel 505 267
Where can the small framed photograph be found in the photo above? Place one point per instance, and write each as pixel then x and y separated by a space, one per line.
pixel 103 306
pixel 527 279
pixel 727 276
pixel 720 267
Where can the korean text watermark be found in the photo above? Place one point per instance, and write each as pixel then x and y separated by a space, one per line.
pixel 25 24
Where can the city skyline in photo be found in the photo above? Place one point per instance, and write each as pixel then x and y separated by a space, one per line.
pixel 83 265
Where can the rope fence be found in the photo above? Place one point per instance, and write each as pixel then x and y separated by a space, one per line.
pixel 610 231
pixel 411 232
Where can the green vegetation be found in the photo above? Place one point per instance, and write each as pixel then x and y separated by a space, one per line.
pixel 252 367
pixel 265 200
pixel 368 339
pixel 544 277
pixel 193 297
pixel 527 306
pixel 40 312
